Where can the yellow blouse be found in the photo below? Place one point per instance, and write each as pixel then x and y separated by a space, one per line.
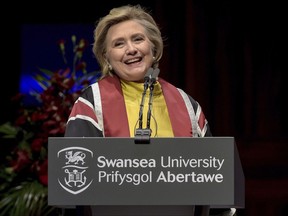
pixel 160 122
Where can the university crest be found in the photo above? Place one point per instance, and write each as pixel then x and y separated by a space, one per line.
pixel 75 164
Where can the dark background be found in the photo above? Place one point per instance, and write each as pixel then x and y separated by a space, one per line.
pixel 229 55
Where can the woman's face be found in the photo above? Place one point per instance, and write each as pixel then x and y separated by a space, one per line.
pixel 129 51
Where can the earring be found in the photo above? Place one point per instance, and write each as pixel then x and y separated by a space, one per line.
pixel 110 67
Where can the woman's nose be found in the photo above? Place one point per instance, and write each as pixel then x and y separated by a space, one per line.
pixel 131 49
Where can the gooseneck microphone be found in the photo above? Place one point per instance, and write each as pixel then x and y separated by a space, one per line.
pixel 142 136
pixel 151 88
pixel 147 78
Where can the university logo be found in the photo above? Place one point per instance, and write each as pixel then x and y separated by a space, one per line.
pixel 75 167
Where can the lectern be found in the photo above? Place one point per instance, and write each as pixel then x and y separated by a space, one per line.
pixel 115 176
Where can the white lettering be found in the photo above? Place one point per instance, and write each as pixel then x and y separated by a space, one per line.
pixel 210 162
pixel 125 163
pixel 189 177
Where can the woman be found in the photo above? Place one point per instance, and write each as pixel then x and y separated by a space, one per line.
pixel 127 43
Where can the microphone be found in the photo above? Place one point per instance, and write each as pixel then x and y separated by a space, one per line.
pixel 142 136
pixel 147 78
pixel 151 88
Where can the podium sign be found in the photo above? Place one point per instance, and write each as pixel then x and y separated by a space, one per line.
pixel 168 171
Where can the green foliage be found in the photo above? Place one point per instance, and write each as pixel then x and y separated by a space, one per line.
pixel 27 198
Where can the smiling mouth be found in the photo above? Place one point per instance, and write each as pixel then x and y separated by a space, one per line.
pixel 134 60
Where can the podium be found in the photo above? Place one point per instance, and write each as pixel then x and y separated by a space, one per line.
pixel 118 177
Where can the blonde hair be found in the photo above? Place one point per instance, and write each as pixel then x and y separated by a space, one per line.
pixel 118 15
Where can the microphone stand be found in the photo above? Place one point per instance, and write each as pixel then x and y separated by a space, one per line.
pixel 151 87
pixel 142 104
pixel 142 136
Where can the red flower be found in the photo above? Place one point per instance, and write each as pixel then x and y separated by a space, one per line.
pixel 42 172
pixel 37 144
pixel 81 66
pixel 34 124
pixel 38 116
pixel 21 161
pixel 21 120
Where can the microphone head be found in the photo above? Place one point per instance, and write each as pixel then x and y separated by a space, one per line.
pixel 148 74
pixel 155 73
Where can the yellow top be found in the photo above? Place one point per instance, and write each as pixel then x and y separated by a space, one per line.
pixel 160 122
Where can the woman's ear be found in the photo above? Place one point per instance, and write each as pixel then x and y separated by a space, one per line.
pixel 105 58
pixel 107 62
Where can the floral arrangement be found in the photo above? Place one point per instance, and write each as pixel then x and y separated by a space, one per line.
pixel 23 176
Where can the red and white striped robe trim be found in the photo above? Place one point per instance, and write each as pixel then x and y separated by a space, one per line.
pixel 108 113
pixel 88 115
pixel 198 121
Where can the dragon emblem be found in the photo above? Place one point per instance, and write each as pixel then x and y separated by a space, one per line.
pixel 75 158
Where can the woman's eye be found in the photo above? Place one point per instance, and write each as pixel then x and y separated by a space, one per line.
pixel 139 39
pixel 118 43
